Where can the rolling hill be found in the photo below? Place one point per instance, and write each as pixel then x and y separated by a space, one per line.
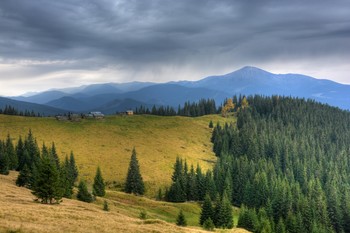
pixel 19 213
pixel 108 143
pixel 37 108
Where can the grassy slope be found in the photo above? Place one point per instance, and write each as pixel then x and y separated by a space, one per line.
pixel 18 213
pixel 108 143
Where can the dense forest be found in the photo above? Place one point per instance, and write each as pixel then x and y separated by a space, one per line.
pixel 287 163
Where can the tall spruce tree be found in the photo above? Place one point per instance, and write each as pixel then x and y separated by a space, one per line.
pixel 47 186
pixel 73 168
pixel 225 219
pixel 11 153
pixel 134 182
pixel 207 210
pixel 98 188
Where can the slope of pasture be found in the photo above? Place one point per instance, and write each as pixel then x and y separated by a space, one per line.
pixel 109 142
pixel 19 213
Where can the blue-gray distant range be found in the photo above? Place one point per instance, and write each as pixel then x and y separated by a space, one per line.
pixel 110 98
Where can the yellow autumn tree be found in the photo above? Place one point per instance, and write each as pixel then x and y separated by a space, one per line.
pixel 244 103
pixel 227 107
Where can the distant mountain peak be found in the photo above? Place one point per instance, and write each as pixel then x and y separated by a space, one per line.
pixel 251 71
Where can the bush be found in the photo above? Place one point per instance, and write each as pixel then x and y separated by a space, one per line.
pixel 105 206
pixel 143 214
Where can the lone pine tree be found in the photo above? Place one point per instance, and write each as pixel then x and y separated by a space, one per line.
pixel 98 188
pixel 134 183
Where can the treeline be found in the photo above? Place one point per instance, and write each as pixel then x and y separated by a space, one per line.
pixel 40 170
pixel 9 110
pixel 287 164
pixel 201 108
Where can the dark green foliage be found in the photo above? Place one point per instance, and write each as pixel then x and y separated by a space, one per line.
pixel 248 219
pixel 160 195
pixel 203 107
pixel 23 179
pixel 211 124
pixel 208 224
pixel 188 185
pixel 66 179
pixel 4 160
pixel 225 217
pixel 181 220
pixel 11 153
pixel 47 186
pixel 290 156
pixel 83 193
pixel 98 188
pixel 73 168
pixel 134 182
pixel 207 211
pixel 105 206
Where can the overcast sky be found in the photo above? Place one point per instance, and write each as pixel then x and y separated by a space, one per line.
pixel 54 44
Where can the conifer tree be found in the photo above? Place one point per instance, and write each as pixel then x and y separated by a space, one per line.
pixel 225 219
pixel 23 179
pixel 73 168
pixel 208 224
pixel 11 154
pixel 4 161
pixel 98 188
pixel 181 220
pixel 55 155
pixel 83 193
pixel 47 185
pixel 66 179
pixel 134 182
pixel 207 210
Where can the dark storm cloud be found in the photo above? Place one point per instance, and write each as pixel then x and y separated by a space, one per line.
pixel 162 32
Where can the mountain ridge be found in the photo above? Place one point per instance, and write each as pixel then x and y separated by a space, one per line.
pixel 248 80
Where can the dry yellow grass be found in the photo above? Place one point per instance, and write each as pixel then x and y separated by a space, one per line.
pixel 108 143
pixel 18 213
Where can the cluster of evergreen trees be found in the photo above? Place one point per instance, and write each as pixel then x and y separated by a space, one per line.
pixel 203 107
pixel 40 170
pixel 287 163
pixel 9 110
pixel 192 185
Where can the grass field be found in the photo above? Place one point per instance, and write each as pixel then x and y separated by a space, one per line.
pixel 19 213
pixel 108 143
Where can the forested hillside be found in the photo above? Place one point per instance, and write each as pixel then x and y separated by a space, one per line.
pixel 287 163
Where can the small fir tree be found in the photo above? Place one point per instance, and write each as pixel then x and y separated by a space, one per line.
pixel 105 206
pixel 134 182
pixel 99 184
pixel 23 178
pixel 211 124
pixel 208 224
pixel 181 220
pixel 83 193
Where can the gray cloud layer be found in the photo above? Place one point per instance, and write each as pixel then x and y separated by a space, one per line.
pixel 162 39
